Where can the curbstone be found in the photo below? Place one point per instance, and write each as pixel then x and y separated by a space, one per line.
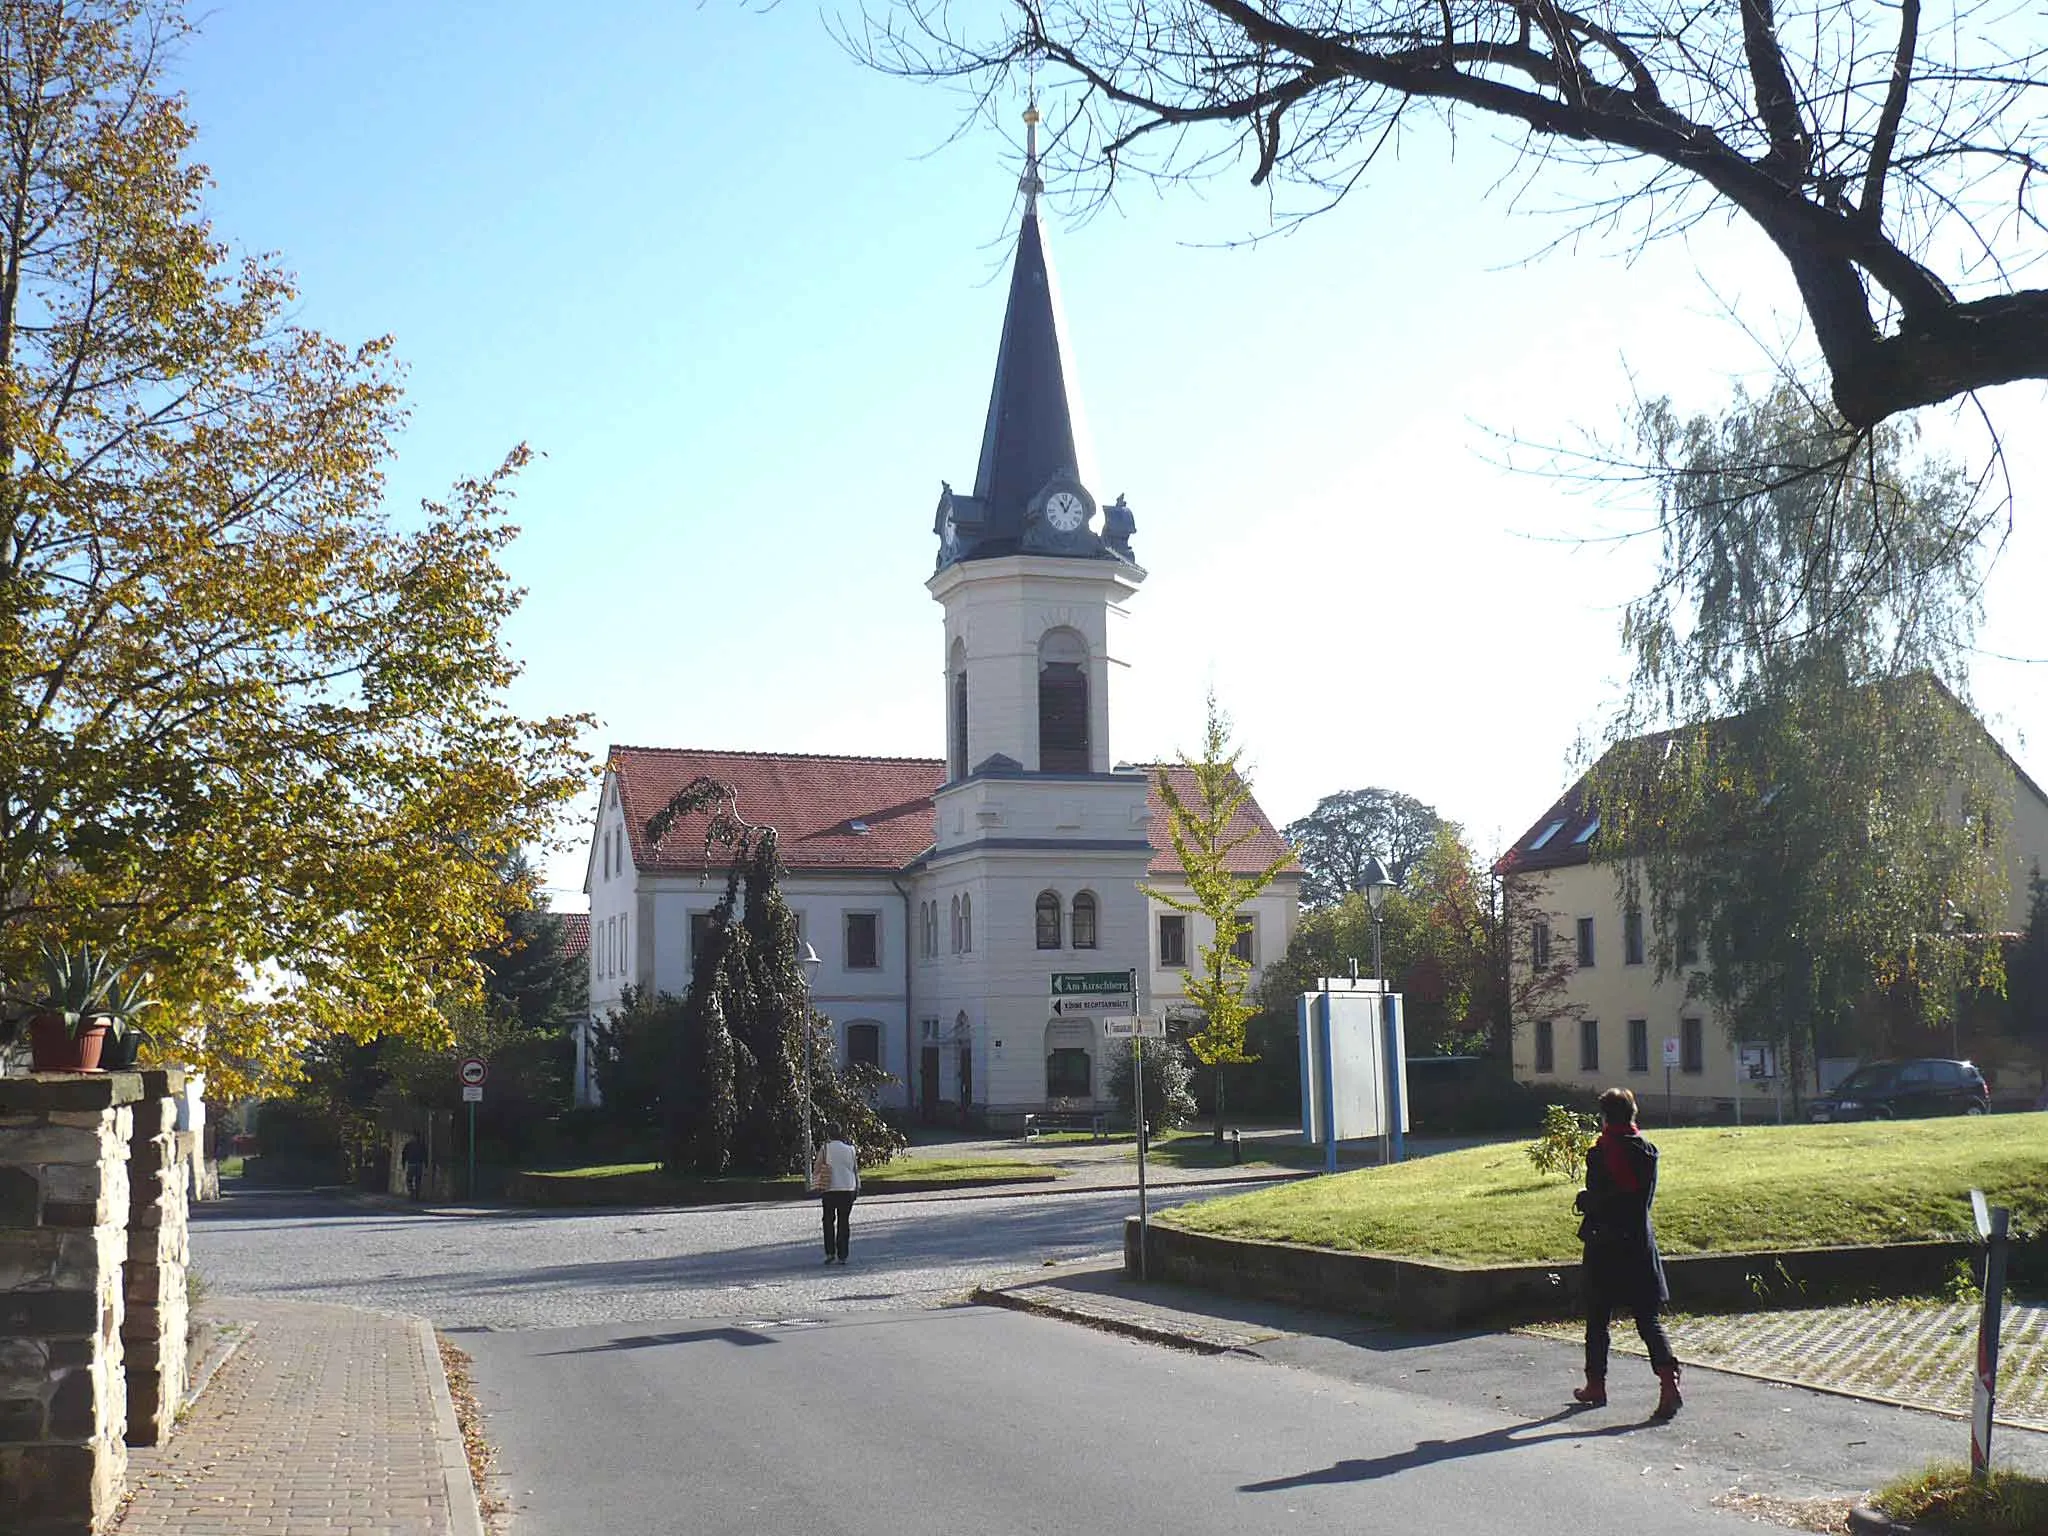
pixel 1866 1521
pixel 464 1510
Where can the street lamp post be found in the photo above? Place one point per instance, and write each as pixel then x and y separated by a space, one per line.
pixel 1376 887
pixel 810 962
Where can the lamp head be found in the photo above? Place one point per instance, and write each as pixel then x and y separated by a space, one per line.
pixel 808 959
pixel 1374 878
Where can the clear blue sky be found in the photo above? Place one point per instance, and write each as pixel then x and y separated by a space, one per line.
pixel 743 295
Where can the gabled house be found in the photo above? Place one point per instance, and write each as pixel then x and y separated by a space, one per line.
pixel 1612 1020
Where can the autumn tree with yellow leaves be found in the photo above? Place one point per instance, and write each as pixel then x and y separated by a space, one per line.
pixel 252 726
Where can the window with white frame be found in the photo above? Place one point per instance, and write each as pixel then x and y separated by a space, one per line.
pixel 863 941
pixel 1173 941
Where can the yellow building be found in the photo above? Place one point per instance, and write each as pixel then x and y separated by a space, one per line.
pixel 1607 1018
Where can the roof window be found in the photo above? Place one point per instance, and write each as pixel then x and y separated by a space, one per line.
pixel 1547 834
pixel 859 828
pixel 1586 833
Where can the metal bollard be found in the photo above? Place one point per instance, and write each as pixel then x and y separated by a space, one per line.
pixel 1237 1146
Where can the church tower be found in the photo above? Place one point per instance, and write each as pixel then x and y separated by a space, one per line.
pixel 1038 835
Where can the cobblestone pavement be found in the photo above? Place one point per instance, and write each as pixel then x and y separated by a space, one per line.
pixel 1901 1352
pixel 326 1421
pixel 544 1269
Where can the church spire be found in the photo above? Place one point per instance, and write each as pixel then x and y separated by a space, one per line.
pixel 1029 436
pixel 1029 490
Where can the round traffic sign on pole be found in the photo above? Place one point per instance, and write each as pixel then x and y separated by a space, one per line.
pixel 472 1072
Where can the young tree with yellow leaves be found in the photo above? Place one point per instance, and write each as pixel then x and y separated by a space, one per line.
pixel 1208 831
pixel 252 729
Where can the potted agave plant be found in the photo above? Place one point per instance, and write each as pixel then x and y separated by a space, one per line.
pixel 125 1001
pixel 67 1022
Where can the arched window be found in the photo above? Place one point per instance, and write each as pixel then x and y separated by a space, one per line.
pixel 1062 702
pixel 1048 913
pixel 864 1044
pixel 956 925
pixel 956 694
pixel 1083 925
pixel 967 925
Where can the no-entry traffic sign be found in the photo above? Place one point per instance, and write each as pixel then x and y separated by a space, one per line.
pixel 472 1072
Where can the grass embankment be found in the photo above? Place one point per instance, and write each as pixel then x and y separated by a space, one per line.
pixel 634 1183
pixel 1944 1499
pixel 1720 1190
pixel 1201 1149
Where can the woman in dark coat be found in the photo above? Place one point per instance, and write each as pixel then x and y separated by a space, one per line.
pixel 1623 1270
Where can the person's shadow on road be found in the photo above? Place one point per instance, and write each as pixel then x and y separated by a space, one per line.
pixel 1428 1452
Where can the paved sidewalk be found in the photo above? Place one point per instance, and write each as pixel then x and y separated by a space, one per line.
pixel 1758 1435
pixel 327 1420
pixel 1921 1354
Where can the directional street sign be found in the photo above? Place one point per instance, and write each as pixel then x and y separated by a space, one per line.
pixel 1091 984
pixel 1079 1007
pixel 472 1072
pixel 1128 1028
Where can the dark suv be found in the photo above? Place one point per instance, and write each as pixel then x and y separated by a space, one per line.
pixel 1896 1090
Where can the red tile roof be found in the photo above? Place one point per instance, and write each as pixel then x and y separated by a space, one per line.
pixel 1261 846
pixel 575 929
pixel 814 802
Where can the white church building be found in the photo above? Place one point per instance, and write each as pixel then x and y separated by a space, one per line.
pixel 944 894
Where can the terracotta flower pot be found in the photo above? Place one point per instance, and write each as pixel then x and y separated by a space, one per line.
pixel 53 1048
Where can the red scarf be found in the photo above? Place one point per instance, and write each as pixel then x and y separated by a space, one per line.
pixel 1621 1167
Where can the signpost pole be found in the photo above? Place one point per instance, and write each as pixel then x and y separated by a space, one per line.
pixel 1992 1224
pixel 471 1106
pixel 1138 1082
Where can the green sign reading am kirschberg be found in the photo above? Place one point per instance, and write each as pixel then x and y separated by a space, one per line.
pixel 1090 983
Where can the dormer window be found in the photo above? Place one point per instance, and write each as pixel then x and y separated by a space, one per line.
pixel 1062 702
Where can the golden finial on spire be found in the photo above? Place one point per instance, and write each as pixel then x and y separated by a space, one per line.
pixel 1030 183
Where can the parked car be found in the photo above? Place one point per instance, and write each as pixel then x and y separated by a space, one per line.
pixel 1898 1090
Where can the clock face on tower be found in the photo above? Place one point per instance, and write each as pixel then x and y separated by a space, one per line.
pixel 1065 511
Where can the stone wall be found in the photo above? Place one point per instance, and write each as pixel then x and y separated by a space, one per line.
pixel 1417 1293
pixel 64 1209
pixel 159 1252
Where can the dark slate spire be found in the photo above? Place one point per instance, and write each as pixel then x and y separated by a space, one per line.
pixel 1029 438
pixel 1028 445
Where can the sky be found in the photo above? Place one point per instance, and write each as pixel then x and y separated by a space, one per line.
pixel 742 296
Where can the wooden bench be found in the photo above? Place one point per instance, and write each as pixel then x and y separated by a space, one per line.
pixel 1093 1122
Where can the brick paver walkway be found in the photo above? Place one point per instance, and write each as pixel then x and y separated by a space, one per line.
pixel 1903 1352
pixel 326 1420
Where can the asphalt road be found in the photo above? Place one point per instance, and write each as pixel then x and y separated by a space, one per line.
pixel 974 1419
pixel 536 1269
pixel 700 1370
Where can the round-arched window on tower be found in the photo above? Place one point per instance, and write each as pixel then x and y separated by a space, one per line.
pixel 956 711
pixel 1047 914
pixel 1062 702
pixel 1083 924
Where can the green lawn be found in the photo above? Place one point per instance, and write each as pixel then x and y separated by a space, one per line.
pixel 648 1177
pixel 1721 1189
pixel 1200 1149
